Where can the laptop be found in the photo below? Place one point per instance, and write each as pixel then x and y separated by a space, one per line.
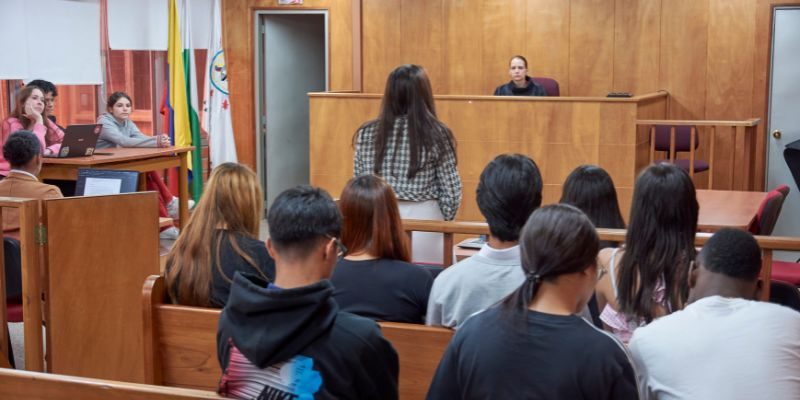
pixel 99 182
pixel 79 141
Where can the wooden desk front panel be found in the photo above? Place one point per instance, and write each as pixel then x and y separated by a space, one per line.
pixel 558 134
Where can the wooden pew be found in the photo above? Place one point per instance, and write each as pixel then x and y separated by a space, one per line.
pixel 768 244
pixel 180 345
pixel 27 385
pixel 419 348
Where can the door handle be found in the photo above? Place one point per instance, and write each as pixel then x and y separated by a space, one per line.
pixel 776 133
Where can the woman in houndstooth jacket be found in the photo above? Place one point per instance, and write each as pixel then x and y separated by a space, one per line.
pixel 414 153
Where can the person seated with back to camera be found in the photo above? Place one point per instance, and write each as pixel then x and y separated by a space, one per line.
pixel 726 344
pixel 220 238
pixel 23 152
pixel 509 190
pixel 592 190
pixel 532 345
pixel 375 279
pixel 120 131
pixel 288 339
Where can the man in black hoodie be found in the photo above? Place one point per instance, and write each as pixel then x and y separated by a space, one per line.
pixel 288 339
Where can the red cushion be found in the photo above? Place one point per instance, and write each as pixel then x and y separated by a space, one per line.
pixel 14 312
pixel 786 271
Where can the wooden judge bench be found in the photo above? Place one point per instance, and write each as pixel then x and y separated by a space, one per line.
pixel 559 133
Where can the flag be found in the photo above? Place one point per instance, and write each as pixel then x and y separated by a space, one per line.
pixel 216 102
pixel 182 90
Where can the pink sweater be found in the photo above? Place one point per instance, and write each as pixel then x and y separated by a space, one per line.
pixel 50 136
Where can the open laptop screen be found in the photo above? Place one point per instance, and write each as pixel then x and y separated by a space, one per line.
pixel 98 182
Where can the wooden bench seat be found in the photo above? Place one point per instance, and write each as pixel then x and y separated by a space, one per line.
pixel 180 346
pixel 27 385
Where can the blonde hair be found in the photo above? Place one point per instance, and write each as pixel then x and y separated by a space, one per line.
pixel 232 202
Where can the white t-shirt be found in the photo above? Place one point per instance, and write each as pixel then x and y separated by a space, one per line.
pixel 720 348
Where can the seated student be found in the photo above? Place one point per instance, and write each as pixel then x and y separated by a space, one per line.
pixel 725 344
pixel 50 93
pixel 532 345
pixel 119 130
pixel 647 276
pixel 521 84
pixel 220 238
pixel 288 339
pixel 30 114
pixel 375 279
pixel 23 152
pixel 592 190
pixel 510 188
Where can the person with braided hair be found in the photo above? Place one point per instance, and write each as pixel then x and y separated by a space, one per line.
pixel 532 345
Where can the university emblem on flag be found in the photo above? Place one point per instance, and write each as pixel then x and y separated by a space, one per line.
pixel 219 73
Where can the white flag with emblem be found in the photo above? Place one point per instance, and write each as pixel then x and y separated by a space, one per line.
pixel 216 102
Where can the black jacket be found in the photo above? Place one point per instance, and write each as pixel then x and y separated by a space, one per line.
pixel 295 343
pixel 510 89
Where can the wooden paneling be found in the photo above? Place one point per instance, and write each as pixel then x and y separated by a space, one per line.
pixel 381 42
pixel 559 134
pixel 547 47
pixel 637 43
pixel 422 41
pixel 93 287
pixel 461 62
pixel 591 55
pixel 503 36
pixel 239 34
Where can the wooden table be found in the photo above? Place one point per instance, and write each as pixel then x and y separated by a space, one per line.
pixel 727 209
pixel 131 159
pixel 718 209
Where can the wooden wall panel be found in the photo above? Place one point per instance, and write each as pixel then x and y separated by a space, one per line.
pixel 637 44
pixel 380 41
pixel 421 41
pixel 548 42
pixel 591 51
pixel 463 47
pixel 503 36
pixel 684 39
pixel 731 27
pixel 239 34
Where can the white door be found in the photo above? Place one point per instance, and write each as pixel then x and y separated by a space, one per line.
pixel 784 116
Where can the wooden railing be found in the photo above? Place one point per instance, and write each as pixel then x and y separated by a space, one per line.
pixel 742 153
pixel 768 244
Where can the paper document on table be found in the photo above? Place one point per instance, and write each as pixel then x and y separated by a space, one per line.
pixel 102 186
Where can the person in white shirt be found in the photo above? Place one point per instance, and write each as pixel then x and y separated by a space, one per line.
pixel 510 189
pixel 725 344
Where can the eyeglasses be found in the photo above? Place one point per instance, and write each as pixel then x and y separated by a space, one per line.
pixel 341 251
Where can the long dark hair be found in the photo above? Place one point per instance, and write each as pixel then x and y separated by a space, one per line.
pixel 558 239
pixel 660 240
pixel 371 219
pixel 408 93
pixel 591 189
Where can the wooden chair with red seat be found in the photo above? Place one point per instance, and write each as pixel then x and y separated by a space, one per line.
pixel 675 139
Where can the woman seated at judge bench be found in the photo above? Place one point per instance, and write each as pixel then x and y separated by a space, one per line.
pixel 375 279
pixel 521 84
pixel 30 114
pixel 119 131
pixel 220 238
pixel 648 276
pixel 414 153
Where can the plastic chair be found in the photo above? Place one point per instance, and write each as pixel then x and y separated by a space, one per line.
pixel 550 86
pixel 683 138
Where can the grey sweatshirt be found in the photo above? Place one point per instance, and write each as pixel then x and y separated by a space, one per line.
pixel 125 134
